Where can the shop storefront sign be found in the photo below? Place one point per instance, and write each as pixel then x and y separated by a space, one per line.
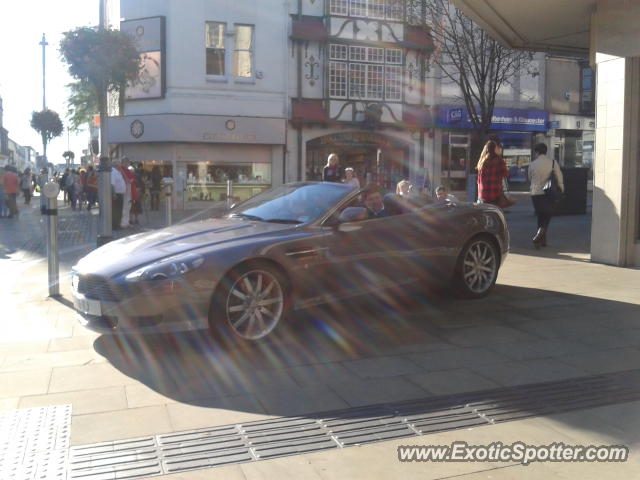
pixel 356 138
pixel 455 117
pixel 197 129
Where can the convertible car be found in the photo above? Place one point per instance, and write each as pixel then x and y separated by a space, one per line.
pixel 290 247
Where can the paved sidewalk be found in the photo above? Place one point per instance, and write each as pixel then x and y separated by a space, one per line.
pixel 553 316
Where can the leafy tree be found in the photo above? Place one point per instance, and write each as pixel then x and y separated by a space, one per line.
pixel 82 103
pixel 48 124
pixel 69 156
pixel 100 59
pixel 470 58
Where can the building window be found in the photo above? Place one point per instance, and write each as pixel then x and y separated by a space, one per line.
pixel 372 73
pixel 382 9
pixel 214 42
pixel 243 53
pixel 339 7
pixel 586 90
pixel 219 59
pixel 393 82
pixel 337 80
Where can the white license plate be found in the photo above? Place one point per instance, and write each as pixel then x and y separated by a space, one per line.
pixel 88 307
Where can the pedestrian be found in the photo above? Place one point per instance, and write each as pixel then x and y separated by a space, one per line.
pixel 92 187
pixel 544 204
pixel 69 186
pixel 4 211
pixel 331 171
pixel 127 174
pixel 26 185
pixel 156 186
pixel 11 182
pixel 42 180
pixel 404 188
pixel 118 189
pixel 491 171
pixel 443 196
pixel 350 177
pixel 83 186
pixel 63 185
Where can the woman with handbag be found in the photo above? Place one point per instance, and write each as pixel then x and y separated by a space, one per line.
pixel 491 171
pixel 547 186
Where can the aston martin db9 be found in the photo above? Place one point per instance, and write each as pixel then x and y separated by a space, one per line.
pixel 295 245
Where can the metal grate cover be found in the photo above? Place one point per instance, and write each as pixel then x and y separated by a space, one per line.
pixel 253 441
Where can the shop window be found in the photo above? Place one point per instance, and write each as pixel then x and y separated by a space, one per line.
pixel 206 181
pixel 586 90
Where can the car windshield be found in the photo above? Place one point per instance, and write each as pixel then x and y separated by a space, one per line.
pixel 299 203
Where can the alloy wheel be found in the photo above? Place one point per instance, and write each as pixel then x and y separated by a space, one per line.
pixel 480 267
pixel 255 304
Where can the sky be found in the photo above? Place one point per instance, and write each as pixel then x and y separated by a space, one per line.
pixel 22 23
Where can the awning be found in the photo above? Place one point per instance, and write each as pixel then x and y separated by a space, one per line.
pixel 309 28
pixel 417 116
pixel 557 26
pixel 309 111
pixel 416 38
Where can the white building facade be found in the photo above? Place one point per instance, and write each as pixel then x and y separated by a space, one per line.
pixel 259 92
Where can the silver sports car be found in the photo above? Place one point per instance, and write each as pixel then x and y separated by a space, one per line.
pixel 293 246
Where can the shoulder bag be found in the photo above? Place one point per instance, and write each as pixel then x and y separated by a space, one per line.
pixel 551 188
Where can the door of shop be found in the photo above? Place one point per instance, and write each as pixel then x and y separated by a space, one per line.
pixel 375 158
pixel 455 163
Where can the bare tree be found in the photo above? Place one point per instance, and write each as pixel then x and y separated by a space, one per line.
pixel 468 57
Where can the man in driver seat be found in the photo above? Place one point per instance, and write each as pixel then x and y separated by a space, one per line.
pixel 372 200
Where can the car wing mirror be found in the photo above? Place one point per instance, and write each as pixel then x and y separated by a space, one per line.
pixel 348 217
pixel 348 227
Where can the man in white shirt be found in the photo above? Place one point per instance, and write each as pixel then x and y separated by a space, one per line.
pixel 118 189
pixel 544 206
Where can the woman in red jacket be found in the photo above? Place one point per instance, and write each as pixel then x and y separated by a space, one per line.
pixel 491 171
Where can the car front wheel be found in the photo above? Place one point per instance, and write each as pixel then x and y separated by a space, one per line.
pixel 477 268
pixel 249 304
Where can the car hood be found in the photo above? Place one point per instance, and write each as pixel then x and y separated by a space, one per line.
pixel 143 248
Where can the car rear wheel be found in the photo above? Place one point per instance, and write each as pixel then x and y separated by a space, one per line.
pixel 249 304
pixel 477 268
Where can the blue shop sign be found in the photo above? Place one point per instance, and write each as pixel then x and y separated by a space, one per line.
pixel 503 119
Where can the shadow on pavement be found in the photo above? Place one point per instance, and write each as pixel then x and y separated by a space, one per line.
pixel 439 345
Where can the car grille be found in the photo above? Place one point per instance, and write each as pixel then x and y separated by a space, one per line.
pixel 98 288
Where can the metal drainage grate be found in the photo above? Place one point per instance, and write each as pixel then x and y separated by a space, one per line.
pixel 248 442
pixel 34 443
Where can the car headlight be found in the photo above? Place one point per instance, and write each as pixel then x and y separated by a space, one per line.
pixel 167 268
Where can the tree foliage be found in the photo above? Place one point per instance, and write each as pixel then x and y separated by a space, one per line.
pixel 99 59
pixel 470 58
pixel 82 104
pixel 47 123
pixel 69 156
pixel 105 58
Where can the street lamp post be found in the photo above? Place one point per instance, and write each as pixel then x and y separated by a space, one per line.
pixel 44 44
pixel 104 170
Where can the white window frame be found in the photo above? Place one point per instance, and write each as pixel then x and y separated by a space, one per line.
pixel 377 74
pixel 250 50
pixel 375 9
pixel 224 48
pixel 337 82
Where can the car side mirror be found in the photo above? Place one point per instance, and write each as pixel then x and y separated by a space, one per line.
pixel 350 215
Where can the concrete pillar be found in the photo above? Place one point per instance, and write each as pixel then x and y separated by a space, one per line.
pixel 615 230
